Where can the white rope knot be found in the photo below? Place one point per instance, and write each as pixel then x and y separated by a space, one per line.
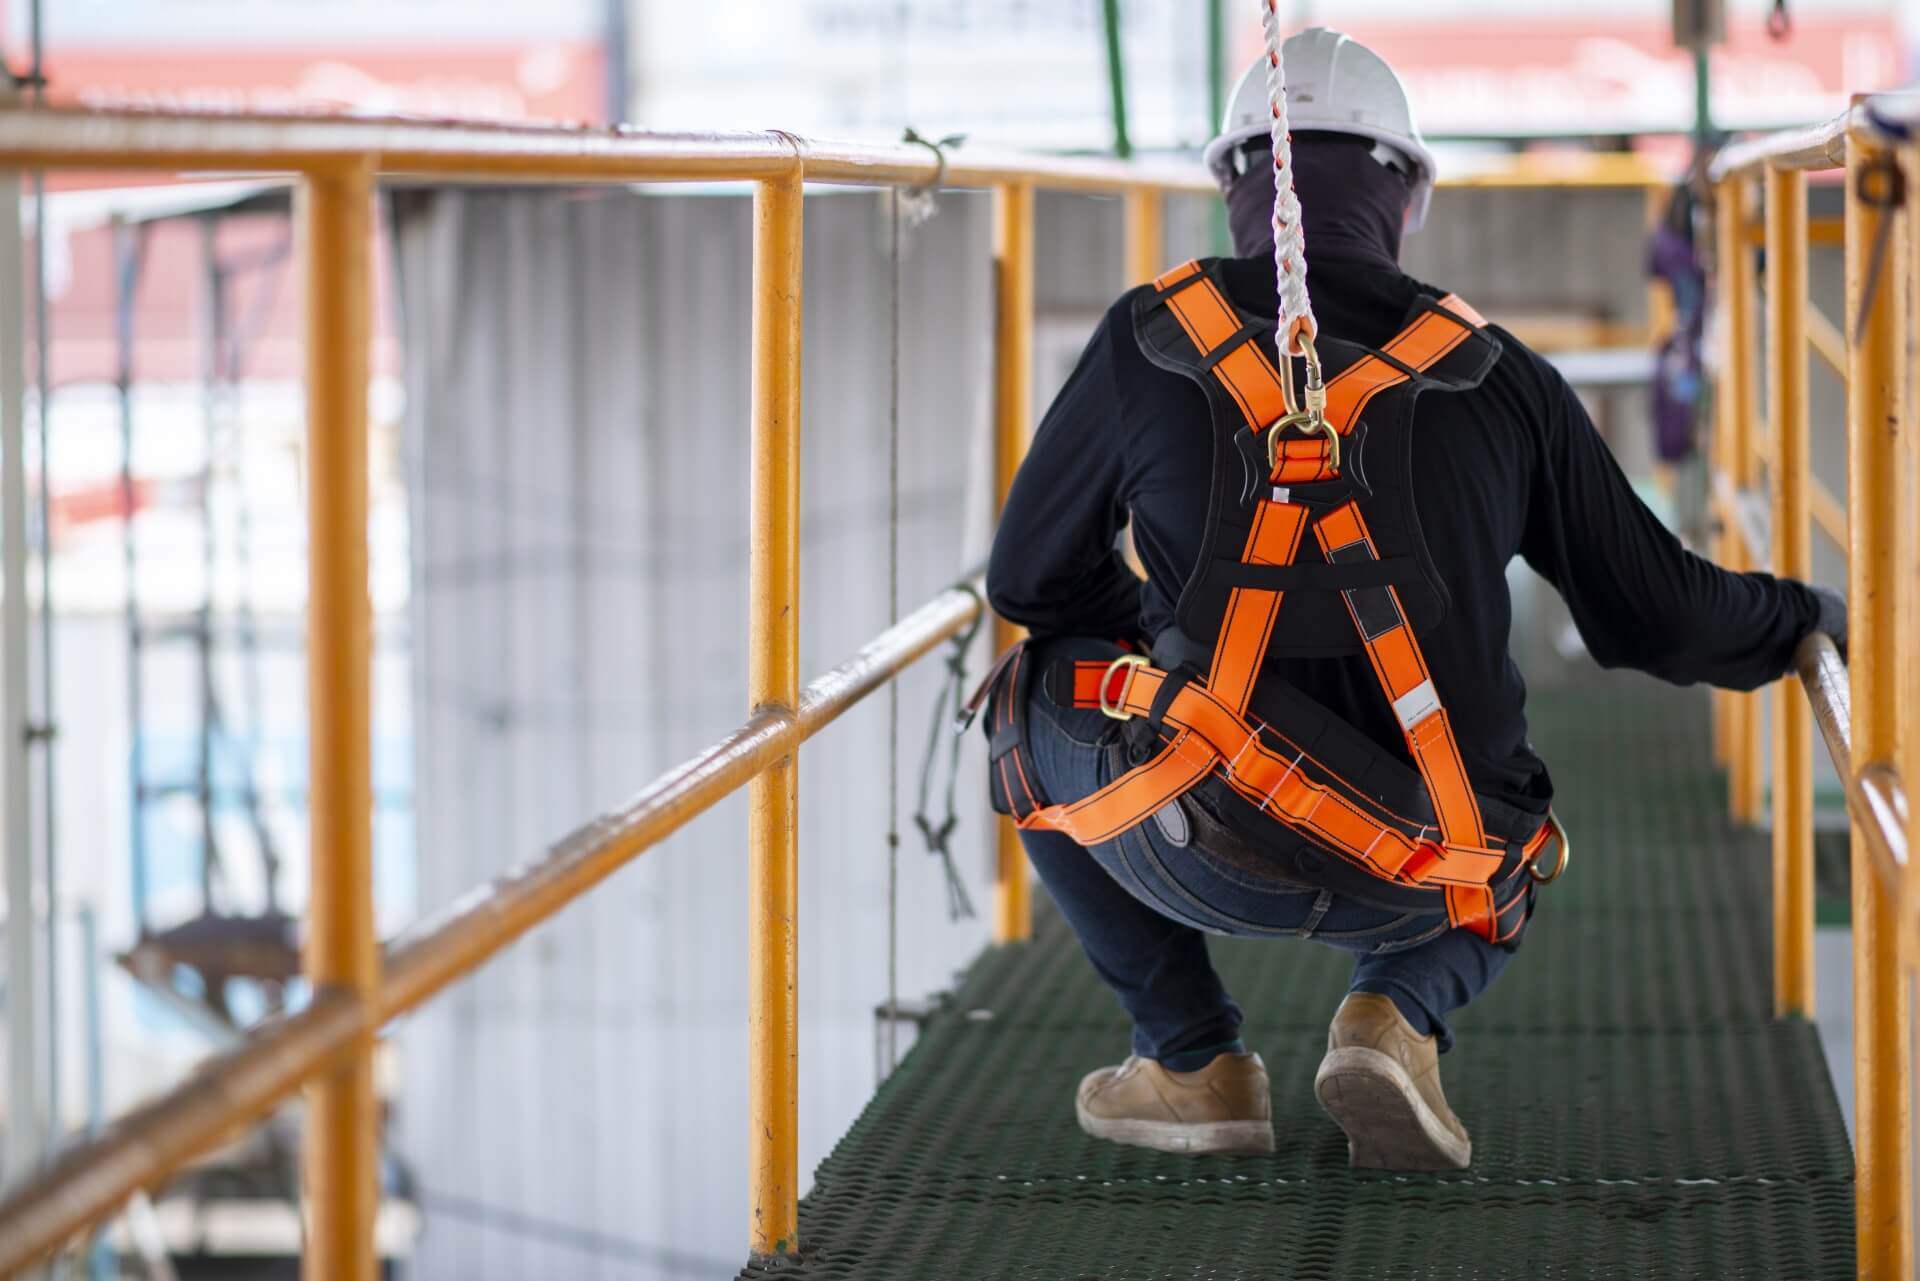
pixel 1289 238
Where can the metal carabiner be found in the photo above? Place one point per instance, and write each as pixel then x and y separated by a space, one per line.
pixel 1312 416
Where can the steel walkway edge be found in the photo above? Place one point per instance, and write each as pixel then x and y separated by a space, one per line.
pixel 1636 1113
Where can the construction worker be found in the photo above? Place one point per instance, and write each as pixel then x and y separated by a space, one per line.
pixel 1506 463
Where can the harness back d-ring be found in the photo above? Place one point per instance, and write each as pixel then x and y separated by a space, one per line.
pixel 1306 421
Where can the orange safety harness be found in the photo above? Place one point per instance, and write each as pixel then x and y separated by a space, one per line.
pixel 1291 760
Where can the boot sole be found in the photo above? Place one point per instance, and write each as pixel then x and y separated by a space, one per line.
pixel 1213 1138
pixel 1388 1125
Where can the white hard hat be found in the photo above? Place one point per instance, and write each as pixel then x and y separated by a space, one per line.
pixel 1334 85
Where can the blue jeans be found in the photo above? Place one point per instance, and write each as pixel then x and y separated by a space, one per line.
pixel 1142 906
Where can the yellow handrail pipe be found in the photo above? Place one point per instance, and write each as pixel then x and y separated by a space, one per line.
pixel 1786 217
pixel 92 1180
pixel 1013 264
pixel 1145 235
pixel 340 1149
pixel 1858 709
pixel 1883 1146
pixel 773 685
pixel 1745 753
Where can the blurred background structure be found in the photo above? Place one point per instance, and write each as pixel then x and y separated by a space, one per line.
pixel 558 484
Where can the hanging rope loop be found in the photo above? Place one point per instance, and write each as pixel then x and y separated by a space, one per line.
pixel 1298 327
pixel 917 204
pixel 949 708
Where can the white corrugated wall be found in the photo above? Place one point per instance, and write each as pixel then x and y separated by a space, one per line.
pixel 577 381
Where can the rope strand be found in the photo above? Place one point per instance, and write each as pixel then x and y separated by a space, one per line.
pixel 1289 238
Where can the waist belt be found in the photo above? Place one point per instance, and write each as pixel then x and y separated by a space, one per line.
pixel 1282 782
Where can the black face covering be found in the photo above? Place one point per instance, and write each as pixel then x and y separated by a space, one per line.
pixel 1352 204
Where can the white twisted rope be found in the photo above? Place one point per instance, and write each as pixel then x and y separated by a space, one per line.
pixel 1289 239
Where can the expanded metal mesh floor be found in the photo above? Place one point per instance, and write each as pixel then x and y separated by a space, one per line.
pixel 1635 1112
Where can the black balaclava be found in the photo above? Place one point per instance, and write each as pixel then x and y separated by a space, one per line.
pixel 1353 206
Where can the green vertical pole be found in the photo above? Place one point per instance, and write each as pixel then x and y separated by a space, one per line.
pixel 1216 65
pixel 1117 79
pixel 1217 103
pixel 1702 95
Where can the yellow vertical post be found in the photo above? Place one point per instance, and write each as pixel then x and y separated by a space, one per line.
pixel 1145 234
pixel 1013 407
pixel 1745 749
pixel 1883 1174
pixel 773 683
pixel 1726 257
pixel 341 1146
pixel 1906 652
pixel 1786 213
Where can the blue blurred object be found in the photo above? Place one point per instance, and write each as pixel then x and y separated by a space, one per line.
pixel 1678 377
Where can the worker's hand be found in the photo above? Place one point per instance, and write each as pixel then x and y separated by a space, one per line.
pixel 1833 615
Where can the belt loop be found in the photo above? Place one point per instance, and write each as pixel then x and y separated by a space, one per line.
pixel 1321 902
pixel 1175 681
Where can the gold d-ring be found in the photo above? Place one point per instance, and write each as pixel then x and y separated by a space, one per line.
pixel 1566 852
pixel 1307 421
pixel 1135 661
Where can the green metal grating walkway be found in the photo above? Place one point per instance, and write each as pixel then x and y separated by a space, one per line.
pixel 1635 1112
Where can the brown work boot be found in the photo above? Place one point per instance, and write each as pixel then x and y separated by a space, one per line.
pixel 1226 1106
pixel 1381 1082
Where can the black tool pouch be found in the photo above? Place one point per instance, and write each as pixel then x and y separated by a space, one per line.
pixel 1012 784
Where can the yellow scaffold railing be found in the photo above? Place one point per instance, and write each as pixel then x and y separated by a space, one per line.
pixel 1868 709
pixel 359 984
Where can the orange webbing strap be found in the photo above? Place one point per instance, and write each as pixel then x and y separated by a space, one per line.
pixel 1175 275
pixel 1419 346
pixel 1246 374
pixel 1402 671
pixel 1271 780
pixel 1129 799
pixel 1248 623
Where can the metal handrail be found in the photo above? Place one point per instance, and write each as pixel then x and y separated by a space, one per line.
pixel 232 1089
pixel 1821 146
pixel 1875 797
pixel 1823 673
pixel 450 149
pixel 1856 706
pixel 1879 805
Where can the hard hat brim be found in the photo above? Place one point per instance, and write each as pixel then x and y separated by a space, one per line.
pixel 1218 156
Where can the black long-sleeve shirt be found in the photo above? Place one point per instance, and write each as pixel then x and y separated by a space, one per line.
pixel 1513 467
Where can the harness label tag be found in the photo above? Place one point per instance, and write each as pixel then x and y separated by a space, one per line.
pixel 1416 704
